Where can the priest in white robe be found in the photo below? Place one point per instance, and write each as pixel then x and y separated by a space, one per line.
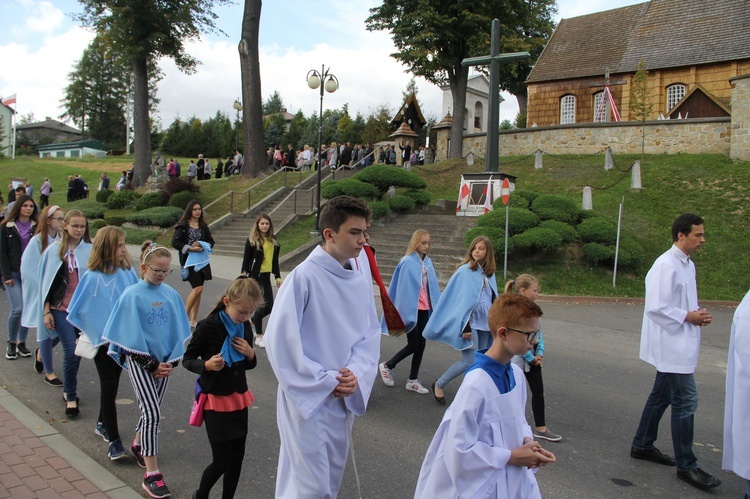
pixel 737 403
pixel 323 343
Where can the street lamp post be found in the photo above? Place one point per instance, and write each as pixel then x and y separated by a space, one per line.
pixel 237 107
pixel 325 80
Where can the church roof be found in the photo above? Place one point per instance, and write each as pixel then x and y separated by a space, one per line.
pixel 410 103
pixel 404 131
pixel 662 33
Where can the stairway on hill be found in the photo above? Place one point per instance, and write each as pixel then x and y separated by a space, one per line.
pixel 446 249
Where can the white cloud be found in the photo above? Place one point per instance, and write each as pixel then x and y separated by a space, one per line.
pixel 43 17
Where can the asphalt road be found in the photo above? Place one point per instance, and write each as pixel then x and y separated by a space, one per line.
pixel 595 390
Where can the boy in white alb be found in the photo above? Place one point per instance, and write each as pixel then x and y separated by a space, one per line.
pixel 484 447
pixel 323 343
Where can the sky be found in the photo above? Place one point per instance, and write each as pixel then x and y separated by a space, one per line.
pixel 41 42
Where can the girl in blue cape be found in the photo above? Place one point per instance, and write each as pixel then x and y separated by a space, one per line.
pixel 109 275
pixel 460 318
pixel 63 264
pixel 531 362
pixel 146 332
pixel 220 352
pixel 47 232
pixel 414 291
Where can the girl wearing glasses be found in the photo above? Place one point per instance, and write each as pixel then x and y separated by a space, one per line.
pixel 220 352
pixel 260 260
pixel 531 362
pixel 16 231
pixel 47 232
pixel 189 233
pixel 460 318
pixel 62 266
pixel 146 332
pixel 109 275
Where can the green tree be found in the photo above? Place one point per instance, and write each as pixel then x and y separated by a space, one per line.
pixel 144 31
pixel 432 38
pixel 274 104
pixel 640 101
pixel 377 124
pixel 295 132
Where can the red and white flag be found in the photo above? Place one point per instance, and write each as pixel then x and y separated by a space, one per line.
pixel 488 196
pixel 11 99
pixel 463 194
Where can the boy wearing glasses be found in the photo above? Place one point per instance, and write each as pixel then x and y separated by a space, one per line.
pixel 484 447
pixel 323 343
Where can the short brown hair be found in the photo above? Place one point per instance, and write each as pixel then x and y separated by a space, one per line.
pixel 339 209
pixel 509 309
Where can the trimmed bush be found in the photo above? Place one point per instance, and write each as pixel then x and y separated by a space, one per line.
pixel 631 253
pixel 137 236
pixel 515 202
pixel 421 198
pixel 379 209
pixel 535 240
pixel 384 176
pixel 103 195
pixel 91 208
pixel 598 230
pixel 331 189
pixel 97 224
pixel 116 220
pixel 598 253
pixel 586 214
pixel 518 220
pixel 179 184
pixel 400 204
pixel 560 208
pixel 150 200
pixel 496 236
pixel 162 216
pixel 122 199
pixel 530 195
pixel 181 199
pixel 565 231
pixel 358 189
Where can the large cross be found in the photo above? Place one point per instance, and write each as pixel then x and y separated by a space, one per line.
pixel 494 60
pixel 606 84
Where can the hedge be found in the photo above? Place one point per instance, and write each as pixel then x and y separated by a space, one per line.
pixel 401 204
pixel 384 176
pixel 357 189
pixel 379 209
pixel 331 189
pixel 495 235
pixel 535 240
pixel 162 216
pixel 116 220
pixel 179 184
pixel 91 208
pixel 519 220
pixel 181 199
pixel 515 202
pixel 138 236
pixel 631 253
pixel 122 199
pixel 150 200
pixel 565 231
pixel 95 225
pixel 598 253
pixel 598 230
pixel 530 195
pixel 103 195
pixel 421 198
pixel 560 208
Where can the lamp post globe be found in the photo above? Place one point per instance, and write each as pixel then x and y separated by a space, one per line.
pixel 316 80
pixel 237 107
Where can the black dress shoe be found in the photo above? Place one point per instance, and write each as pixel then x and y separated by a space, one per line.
pixel 72 412
pixel 698 478
pixel 654 455
pixel 440 400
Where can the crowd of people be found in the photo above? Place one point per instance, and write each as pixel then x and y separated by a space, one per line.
pixel 58 282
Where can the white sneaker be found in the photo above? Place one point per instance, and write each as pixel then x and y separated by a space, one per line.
pixel 414 385
pixel 386 375
pixel 259 341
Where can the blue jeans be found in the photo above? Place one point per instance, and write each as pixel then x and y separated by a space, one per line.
pixel 45 351
pixel 479 341
pixel 16 332
pixel 679 391
pixel 67 334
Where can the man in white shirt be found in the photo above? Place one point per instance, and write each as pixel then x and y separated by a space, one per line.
pixel 670 339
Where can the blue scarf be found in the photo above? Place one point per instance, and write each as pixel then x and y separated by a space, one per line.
pixel 228 353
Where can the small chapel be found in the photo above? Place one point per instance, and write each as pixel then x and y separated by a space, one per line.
pixel 691 49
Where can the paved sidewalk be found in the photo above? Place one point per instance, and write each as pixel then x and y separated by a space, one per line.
pixel 37 462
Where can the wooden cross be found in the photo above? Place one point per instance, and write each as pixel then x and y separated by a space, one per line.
pixel 606 83
pixel 493 121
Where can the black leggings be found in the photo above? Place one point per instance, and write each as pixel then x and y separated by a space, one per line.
pixel 264 280
pixel 228 458
pixel 415 346
pixel 536 384
pixel 109 381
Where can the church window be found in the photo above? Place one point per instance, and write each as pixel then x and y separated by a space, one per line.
pixel 478 116
pixel 600 113
pixel 675 93
pixel 567 109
